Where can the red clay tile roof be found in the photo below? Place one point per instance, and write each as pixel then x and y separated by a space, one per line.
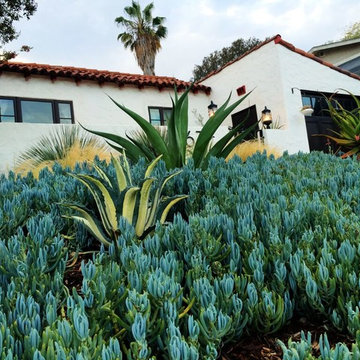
pixel 101 76
pixel 278 40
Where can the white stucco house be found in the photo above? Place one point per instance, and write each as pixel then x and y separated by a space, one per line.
pixel 284 78
pixel 34 98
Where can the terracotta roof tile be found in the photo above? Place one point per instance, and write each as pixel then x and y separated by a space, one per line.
pixel 100 76
pixel 278 40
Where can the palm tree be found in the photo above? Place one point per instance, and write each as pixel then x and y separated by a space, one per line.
pixel 142 34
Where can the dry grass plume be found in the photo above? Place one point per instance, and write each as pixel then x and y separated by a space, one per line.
pixel 249 148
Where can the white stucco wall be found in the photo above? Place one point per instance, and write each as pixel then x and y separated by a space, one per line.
pixel 300 72
pixel 90 101
pixel 259 71
pixel 272 71
pixel 16 138
pixel 92 108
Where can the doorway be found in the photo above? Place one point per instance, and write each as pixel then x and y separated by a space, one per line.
pixel 249 117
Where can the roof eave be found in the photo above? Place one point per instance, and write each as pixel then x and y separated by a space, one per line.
pixel 334 45
pixel 100 76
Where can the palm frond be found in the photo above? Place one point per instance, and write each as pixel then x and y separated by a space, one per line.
pixel 147 15
pixel 142 35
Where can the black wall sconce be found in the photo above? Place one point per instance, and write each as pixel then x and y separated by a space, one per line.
pixel 212 109
pixel 266 120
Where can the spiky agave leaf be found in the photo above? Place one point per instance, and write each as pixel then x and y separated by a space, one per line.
pixel 90 222
pixel 117 198
pixel 155 204
pixel 153 136
pixel 122 179
pixel 141 138
pixel 129 202
pixel 103 199
pixel 348 123
pixel 143 209
pixel 209 129
pixel 132 151
pixel 167 205
pixel 152 165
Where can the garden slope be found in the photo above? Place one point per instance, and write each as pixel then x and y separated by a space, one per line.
pixel 257 242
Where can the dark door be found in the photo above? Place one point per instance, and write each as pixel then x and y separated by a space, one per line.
pixel 320 125
pixel 248 117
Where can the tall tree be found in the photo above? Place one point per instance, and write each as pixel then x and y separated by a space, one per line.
pixel 142 34
pixel 10 12
pixel 352 32
pixel 217 58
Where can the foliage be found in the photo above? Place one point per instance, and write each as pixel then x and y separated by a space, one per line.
pixel 67 146
pixel 139 136
pixel 303 349
pixel 11 11
pixel 217 59
pixel 174 146
pixel 264 240
pixel 348 123
pixel 352 32
pixel 119 198
pixel 251 147
pixel 8 55
pixel 142 34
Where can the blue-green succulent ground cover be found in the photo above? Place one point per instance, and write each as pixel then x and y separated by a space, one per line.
pixel 252 246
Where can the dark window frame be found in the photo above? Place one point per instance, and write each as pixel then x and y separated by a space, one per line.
pixel 54 107
pixel 161 110
pixel 320 95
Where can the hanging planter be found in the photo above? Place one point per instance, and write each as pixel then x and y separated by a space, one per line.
pixel 307 110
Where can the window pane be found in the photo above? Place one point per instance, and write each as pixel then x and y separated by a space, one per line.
pixel 306 101
pixel 7 107
pixel 167 115
pixel 7 111
pixel 5 119
pixel 37 112
pixel 64 111
pixel 155 117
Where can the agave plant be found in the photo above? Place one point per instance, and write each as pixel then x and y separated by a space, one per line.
pixel 118 197
pixel 348 123
pixel 139 137
pixel 174 146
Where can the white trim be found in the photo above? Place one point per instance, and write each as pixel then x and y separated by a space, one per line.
pixel 334 45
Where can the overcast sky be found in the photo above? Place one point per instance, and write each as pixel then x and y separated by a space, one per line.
pixel 83 33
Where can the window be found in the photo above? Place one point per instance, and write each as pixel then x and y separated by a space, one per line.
pixel 318 102
pixel 36 111
pixel 7 110
pixel 159 115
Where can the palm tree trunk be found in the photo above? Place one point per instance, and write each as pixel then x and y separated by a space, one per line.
pixel 145 54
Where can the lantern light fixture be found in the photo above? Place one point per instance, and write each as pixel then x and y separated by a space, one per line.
pixel 266 118
pixel 212 108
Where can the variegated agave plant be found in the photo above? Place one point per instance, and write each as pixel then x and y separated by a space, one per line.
pixel 118 197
